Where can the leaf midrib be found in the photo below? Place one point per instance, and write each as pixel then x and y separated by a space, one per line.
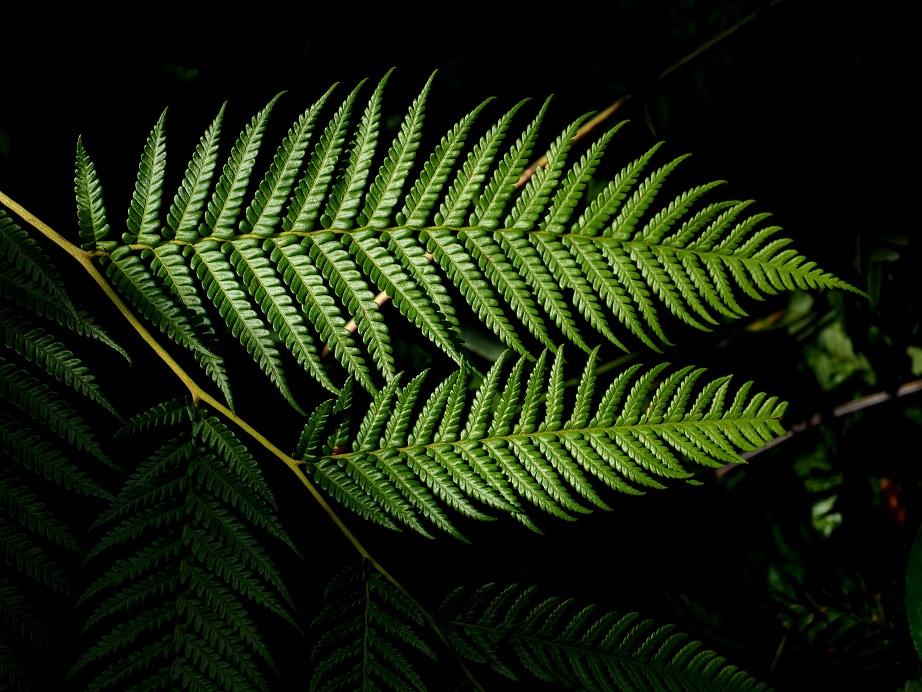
pixel 561 432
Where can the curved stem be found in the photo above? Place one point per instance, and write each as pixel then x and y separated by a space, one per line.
pixel 200 395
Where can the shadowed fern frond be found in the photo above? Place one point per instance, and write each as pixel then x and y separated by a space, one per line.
pixel 519 442
pixel 365 627
pixel 46 447
pixel 320 236
pixel 188 565
pixel 580 648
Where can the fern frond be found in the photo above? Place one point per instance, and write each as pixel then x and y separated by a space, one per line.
pixel 21 617
pixel 181 602
pixel 234 454
pixel 384 192
pixel 217 274
pixel 579 648
pixel 308 256
pixel 364 629
pixel 171 412
pixel 91 213
pixel 227 199
pixel 186 209
pixel 516 446
pixel 23 554
pixel 143 223
pixel 137 282
pixel 264 212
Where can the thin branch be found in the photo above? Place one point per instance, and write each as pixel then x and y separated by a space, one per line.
pixel 713 42
pixel 584 130
pixel 837 412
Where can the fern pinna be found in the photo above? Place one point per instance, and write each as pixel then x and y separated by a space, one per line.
pixel 290 262
pixel 519 440
pixel 174 608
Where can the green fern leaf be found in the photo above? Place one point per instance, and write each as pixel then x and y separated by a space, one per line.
pixel 234 454
pixel 35 454
pixel 307 200
pixel 308 286
pixel 264 213
pixel 343 205
pixel 384 192
pixel 169 265
pixel 171 412
pixel 91 213
pixel 425 192
pixel 42 404
pixel 27 276
pixel 23 554
pixel 644 431
pixel 137 283
pixel 217 275
pixel 265 287
pixel 311 440
pixel 21 617
pixel 41 348
pixel 24 507
pixel 333 260
pixel 623 260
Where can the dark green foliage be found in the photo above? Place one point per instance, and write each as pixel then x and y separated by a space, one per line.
pixel 365 627
pixel 578 647
pixel 44 442
pixel 177 607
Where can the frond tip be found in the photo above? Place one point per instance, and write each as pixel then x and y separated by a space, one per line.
pixel 513 445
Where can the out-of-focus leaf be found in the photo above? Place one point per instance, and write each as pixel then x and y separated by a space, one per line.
pixel 833 359
pixel 915 355
pixel 914 592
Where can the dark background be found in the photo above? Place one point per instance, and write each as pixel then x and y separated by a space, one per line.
pixel 807 108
